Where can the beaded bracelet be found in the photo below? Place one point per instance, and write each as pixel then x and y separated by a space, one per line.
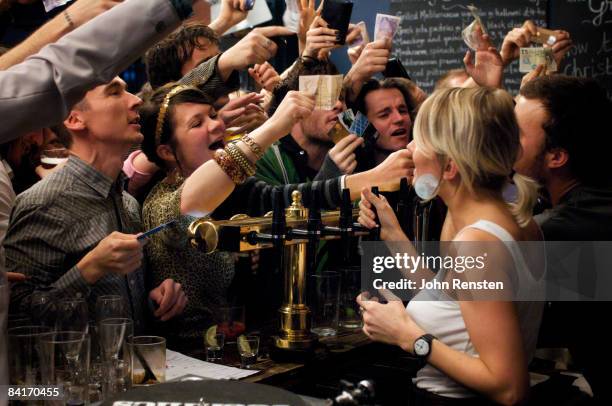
pixel 255 148
pixel 242 160
pixel 229 166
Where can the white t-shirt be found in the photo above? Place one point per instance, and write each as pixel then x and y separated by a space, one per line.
pixel 444 320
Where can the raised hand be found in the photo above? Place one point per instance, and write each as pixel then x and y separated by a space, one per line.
pixel 265 75
pixel 253 117
pixel 540 70
pixel 307 16
pixel 562 46
pixel 254 48
pixel 489 67
pixel 237 106
pixel 295 106
pixel 319 39
pixel 343 153
pixel 516 39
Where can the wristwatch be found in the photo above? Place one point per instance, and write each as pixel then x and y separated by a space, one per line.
pixel 422 346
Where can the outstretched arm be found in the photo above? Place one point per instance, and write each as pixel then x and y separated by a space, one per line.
pixel 51 81
pixel 73 17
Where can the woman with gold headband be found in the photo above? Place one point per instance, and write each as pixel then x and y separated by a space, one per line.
pixel 204 176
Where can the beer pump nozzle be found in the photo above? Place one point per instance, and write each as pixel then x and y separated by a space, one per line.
pixel 313 228
pixel 403 206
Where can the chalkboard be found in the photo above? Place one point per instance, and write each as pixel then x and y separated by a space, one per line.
pixel 429 42
pixel 590 24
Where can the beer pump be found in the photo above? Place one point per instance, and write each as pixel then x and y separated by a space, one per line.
pixel 294 233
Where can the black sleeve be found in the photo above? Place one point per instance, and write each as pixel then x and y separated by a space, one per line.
pixel 254 197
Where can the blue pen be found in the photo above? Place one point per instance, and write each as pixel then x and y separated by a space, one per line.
pixel 155 230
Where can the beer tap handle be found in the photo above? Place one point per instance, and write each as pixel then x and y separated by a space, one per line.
pixel 279 222
pixel 403 206
pixel 346 223
pixel 375 233
pixel 314 229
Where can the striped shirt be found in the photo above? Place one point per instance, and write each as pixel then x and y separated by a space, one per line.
pixel 59 220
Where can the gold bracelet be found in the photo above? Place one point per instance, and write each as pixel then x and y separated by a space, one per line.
pixel 238 156
pixel 255 148
pixel 229 166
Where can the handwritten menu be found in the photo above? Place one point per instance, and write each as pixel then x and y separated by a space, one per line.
pixel 429 41
pixel 590 24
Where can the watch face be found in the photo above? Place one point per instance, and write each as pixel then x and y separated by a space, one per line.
pixel 421 347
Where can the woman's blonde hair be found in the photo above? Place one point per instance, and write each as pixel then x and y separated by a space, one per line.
pixel 477 129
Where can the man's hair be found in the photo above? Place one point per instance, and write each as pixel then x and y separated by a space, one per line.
pixel 443 81
pixel 149 112
pixel 292 81
pixel 578 122
pixel 403 85
pixel 63 135
pixel 165 60
pixel 3 50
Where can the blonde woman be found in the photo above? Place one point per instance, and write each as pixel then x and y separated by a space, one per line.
pixel 466 142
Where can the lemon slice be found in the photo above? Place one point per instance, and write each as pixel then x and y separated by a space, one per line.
pixel 243 345
pixel 210 338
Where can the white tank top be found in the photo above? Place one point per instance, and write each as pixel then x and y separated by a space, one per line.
pixel 444 320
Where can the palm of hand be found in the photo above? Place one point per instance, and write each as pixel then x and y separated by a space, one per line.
pixel 488 70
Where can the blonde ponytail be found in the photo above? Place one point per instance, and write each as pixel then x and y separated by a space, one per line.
pixel 527 195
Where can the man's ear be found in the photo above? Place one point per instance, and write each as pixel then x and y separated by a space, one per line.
pixel 75 121
pixel 165 153
pixel 556 158
pixel 450 170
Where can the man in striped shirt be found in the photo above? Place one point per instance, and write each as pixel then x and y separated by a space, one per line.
pixel 74 234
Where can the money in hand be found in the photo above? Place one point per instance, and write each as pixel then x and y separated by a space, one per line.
pixel 363 38
pixel 532 57
pixel 470 35
pixel 325 88
pixel 386 26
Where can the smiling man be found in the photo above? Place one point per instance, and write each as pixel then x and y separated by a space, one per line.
pixel 74 234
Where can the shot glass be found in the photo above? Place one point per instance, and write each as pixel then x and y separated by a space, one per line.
pixel 214 347
pixel 248 346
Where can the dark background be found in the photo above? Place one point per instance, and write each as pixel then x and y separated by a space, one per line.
pixel 425 54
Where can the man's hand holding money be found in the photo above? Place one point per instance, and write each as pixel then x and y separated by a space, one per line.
pixel 373 60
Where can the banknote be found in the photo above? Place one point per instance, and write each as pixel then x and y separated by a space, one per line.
pixel 363 38
pixel 470 35
pixel 325 88
pixel 291 17
pixel 530 58
pixel 51 4
pixel 386 26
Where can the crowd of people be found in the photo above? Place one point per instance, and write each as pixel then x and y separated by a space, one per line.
pixel 165 155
